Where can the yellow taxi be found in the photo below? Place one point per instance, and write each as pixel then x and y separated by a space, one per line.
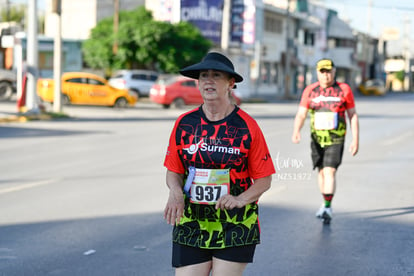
pixel 87 89
pixel 374 87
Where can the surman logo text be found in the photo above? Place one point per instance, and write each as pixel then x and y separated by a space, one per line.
pixel 211 148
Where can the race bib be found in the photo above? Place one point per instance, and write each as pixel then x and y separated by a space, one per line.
pixel 325 120
pixel 209 185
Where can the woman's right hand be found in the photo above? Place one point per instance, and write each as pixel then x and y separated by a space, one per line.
pixel 296 137
pixel 175 207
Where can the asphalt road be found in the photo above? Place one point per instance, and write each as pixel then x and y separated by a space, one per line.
pixel 84 196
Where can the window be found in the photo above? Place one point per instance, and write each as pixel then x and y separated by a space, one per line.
pixel 337 42
pixel 75 80
pixel 139 77
pixel 46 60
pixel 269 73
pixel 94 82
pixel 309 38
pixel 189 83
pixel 273 24
pixel 149 77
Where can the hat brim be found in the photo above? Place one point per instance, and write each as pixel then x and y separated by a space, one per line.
pixel 325 68
pixel 193 71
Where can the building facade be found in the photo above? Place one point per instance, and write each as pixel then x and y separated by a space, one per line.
pixel 79 16
pixel 273 43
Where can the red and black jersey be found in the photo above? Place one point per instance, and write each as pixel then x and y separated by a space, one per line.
pixel 335 99
pixel 235 143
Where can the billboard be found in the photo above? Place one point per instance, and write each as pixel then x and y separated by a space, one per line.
pixel 389 33
pixel 207 15
pixel 243 22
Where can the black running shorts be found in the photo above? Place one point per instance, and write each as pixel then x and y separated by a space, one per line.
pixel 183 255
pixel 328 156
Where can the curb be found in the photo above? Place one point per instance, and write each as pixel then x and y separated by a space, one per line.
pixel 22 118
pixel 25 118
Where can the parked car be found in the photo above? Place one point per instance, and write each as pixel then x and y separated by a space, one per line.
pixel 374 87
pixel 138 81
pixel 87 89
pixel 178 91
pixel 7 84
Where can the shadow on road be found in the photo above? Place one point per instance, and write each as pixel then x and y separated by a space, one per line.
pixel 384 213
pixel 293 243
pixel 30 132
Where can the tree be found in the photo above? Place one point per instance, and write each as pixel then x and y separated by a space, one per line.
pixel 181 46
pixel 98 49
pixel 17 13
pixel 14 13
pixel 144 43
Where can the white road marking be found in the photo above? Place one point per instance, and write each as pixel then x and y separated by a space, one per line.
pixel 17 188
pixel 396 139
pixel 89 252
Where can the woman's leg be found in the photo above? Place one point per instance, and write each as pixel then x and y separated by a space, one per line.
pixel 227 268
pixel 328 180
pixel 202 269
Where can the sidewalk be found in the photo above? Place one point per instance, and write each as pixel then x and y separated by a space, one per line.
pixel 9 113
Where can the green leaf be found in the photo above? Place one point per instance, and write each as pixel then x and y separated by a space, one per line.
pixel 143 43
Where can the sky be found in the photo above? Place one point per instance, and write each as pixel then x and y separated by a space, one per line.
pixel 397 14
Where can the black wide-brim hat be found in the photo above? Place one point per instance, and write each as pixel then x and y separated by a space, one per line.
pixel 212 61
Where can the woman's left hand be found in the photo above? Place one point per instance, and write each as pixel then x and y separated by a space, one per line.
pixel 228 202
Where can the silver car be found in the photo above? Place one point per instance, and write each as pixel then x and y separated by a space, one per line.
pixel 138 81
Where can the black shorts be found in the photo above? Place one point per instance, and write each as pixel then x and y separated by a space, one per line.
pixel 183 255
pixel 328 156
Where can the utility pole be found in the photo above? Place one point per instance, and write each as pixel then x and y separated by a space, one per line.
pixel 369 23
pixel 116 27
pixel 7 10
pixel 225 27
pixel 57 57
pixel 287 55
pixel 32 58
pixel 407 54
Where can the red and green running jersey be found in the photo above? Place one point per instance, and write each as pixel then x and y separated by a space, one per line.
pixel 327 108
pixel 235 143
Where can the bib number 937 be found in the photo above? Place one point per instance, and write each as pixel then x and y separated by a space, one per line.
pixel 207 194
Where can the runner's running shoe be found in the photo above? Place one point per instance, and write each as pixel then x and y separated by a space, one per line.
pixel 319 213
pixel 325 214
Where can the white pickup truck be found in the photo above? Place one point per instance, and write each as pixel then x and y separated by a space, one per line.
pixel 7 84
